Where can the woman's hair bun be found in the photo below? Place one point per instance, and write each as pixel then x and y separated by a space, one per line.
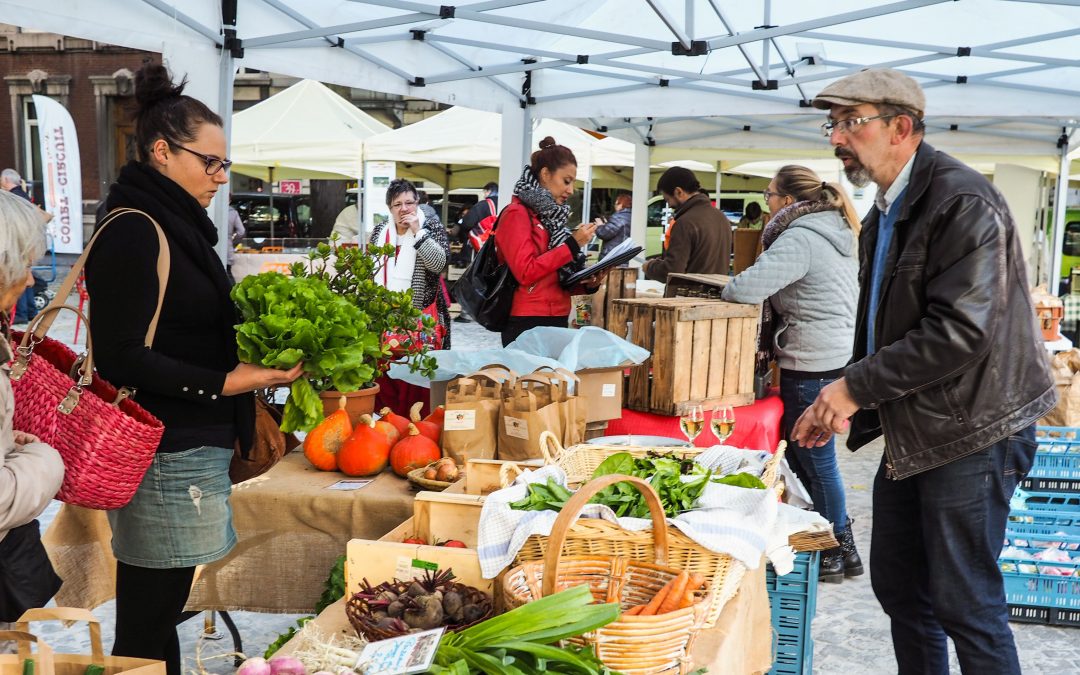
pixel 548 142
pixel 154 84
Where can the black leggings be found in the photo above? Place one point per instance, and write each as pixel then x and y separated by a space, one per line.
pixel 517 325
pixel 149 603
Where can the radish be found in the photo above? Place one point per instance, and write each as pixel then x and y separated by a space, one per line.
pixel 286 665
pixel 256 665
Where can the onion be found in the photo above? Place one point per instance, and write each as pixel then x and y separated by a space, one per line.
pixel 256 665
pixel 286 665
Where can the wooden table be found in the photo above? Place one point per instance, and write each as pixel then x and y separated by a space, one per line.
pixel 290 530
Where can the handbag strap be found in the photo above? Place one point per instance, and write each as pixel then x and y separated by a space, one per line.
pixel 163 263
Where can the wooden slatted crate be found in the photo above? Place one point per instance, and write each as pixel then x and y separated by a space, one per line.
pixel 702 352
pixel 621 283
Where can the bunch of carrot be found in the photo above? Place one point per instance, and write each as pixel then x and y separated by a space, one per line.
pixel 676 594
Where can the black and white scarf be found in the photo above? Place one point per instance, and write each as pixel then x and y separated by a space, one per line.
pixel 553 216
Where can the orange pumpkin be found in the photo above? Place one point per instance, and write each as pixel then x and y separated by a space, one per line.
pixel 400 423
pixel 426 426
pixel 324 441
pixel 437 416
pixel 366 452
pixel 414 451
pixel 383 427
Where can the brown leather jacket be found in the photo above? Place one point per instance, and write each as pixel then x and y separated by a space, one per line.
pixel 960 362
pixel 700 242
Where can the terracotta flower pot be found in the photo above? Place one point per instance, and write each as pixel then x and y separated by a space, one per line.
pixel 357 403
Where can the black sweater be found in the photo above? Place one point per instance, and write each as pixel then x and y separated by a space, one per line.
pixel 180 378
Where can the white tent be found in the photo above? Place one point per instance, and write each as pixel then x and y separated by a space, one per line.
pixel 305 131
pixel 990 64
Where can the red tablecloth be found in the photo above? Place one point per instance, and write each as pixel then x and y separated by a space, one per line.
pixel 757 426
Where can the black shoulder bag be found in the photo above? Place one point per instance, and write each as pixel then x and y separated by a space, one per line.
pixel 486 288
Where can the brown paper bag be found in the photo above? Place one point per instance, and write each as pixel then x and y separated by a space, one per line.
pixel 573 408
pixel 530 407
pixel 47 662
pixel 1066 369
pixel 473 405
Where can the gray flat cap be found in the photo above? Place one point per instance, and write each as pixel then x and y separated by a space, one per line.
pixel 874 85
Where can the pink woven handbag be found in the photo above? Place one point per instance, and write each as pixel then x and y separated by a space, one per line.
pixel 106 440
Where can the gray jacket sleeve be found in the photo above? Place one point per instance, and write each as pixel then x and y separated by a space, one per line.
pixel 30 476
pixel 784 263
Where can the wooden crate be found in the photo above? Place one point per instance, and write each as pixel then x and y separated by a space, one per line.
pixel 703 352
pixel 684 285
pixel 482 476
pixel 621 283
pixel 595 430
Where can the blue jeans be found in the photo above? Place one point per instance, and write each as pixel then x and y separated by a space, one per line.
pixel 933 559
pixel 24 308
pixel 816 467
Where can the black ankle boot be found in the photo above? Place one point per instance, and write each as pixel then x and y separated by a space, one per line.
pixel 832 566
pixel 853 566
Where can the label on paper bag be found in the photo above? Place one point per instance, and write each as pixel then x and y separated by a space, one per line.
pixel 516 428
pixel 608 391
pixel 459 420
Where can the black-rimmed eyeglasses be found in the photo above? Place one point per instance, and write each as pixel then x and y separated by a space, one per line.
pixel 213 164
pixel 849 125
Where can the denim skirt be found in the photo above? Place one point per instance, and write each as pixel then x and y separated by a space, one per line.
pixel 180 516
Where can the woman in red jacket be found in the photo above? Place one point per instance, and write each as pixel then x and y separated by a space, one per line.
pixel 533 240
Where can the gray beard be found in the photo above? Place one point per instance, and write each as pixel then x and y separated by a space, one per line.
pixel 858 175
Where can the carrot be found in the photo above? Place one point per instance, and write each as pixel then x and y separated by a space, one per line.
pixel 687 599
pixel 634 611
pixel 675 593
pixel 654 604
pixel 697 580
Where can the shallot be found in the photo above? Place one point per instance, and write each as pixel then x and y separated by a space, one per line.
pixel 256 665
pixel 286 665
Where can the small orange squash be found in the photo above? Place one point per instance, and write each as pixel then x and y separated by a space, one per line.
pixel 383 427
pixel 426 426
pixel 413 452
pixel 437 416
pixel 366 452
pixel 400 423
pixel 324 441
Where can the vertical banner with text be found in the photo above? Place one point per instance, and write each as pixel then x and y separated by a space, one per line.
pixel 61 172
pixel 377 177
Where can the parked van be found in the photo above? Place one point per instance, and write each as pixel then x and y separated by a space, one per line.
pixel 1070 250
pixel 733 204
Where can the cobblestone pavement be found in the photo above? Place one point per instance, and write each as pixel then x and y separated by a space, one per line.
pixel 850 632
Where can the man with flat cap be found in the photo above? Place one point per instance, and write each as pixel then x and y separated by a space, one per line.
pixel 948 365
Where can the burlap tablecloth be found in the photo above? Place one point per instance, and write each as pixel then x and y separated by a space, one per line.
pixel 739 644
pixel 289 527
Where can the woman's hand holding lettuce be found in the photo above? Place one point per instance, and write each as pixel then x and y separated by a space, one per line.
pixel 287 321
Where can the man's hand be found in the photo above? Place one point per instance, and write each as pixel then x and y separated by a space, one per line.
pixel 827 415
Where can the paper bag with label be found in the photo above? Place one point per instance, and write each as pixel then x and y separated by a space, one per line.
pixel 530 407
pixel 1066 369
pixel 473 404
pixel 572 406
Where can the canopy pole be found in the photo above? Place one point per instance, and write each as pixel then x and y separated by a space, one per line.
pixel 516 141
pixel 586 197
pixel 219 208
pixel 446 196
pixel 639 213
pixel 719 182
pixel 1060 189
pixel 272 218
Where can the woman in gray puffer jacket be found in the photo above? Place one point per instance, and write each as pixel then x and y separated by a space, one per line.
pixel 807 278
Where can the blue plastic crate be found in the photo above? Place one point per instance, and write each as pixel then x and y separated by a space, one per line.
pixel 1027 585
pixel 1045 615
pixel 1058 455
pixel 1059 503
pixel 1032 521
pixel 792 605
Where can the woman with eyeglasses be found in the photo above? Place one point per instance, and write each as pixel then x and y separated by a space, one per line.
pixel 807 278
pixel 421 252
pixel 190 378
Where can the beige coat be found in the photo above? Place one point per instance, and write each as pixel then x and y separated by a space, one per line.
pixel 30 474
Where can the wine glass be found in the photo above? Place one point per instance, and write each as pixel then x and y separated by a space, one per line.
pixel 722 422
pixel 692 422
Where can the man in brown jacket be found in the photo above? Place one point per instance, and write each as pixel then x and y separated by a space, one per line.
pixel 701 235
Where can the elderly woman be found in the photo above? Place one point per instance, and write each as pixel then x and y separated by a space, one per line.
pixel 30 471
pixel 421 252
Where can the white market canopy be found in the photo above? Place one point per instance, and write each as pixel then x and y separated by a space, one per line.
pixel 305 131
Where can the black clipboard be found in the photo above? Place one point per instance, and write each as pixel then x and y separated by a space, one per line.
pixel 607 263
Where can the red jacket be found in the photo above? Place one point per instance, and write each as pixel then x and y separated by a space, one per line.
pixel 522 243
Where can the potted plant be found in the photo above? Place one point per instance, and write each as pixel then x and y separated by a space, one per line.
pixel 405 334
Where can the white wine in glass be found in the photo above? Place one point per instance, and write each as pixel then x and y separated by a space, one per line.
pixel 692 423
pixel 722 422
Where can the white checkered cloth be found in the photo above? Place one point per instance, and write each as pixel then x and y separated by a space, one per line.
pixel 740 522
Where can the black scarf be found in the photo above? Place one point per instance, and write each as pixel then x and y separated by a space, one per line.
pixel 552 215
pixel 188 227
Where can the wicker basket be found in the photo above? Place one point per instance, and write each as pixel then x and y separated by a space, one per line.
pixel 416 477
pixel 359 611
pixel 593 536
pixel 633 645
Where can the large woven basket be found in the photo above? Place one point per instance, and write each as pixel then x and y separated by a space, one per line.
pixel 633 645
pixel 593 536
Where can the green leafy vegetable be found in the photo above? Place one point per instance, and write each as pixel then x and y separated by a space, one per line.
pixel 549 496
pixel 743 480
pixel 287 320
